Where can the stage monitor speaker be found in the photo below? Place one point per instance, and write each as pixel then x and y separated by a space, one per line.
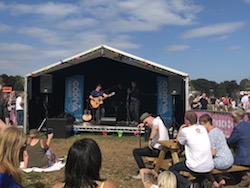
pixel 70 118
pixel 46 83
pixel 61 128
pixel 108 121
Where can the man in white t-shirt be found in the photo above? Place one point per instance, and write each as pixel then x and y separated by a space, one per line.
pixel 19 108
pixel 199 160
pixel 244 100
pixel 158 132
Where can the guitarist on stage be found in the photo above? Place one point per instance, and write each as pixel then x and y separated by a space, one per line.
pixel 96 102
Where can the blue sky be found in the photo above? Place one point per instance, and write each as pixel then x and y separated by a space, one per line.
pixel 207 38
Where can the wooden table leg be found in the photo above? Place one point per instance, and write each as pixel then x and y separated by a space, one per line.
pixel 160 160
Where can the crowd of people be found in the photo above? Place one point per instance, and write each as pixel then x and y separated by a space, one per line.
pixel 11 108
pixel 206 147
pixel 224 103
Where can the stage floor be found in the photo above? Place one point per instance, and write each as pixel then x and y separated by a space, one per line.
pixel 119 127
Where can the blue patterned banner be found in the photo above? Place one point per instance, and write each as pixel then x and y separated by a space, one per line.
pixel 74 96
pixel 164 100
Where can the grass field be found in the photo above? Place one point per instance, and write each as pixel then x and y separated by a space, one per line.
pixel 118 162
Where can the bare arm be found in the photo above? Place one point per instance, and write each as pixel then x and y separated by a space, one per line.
pixel 46 144
pixel 25 159
pixel 154 132
pixel 213 151
pixel 145 177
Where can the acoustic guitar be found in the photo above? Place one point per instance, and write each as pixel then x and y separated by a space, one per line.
pixel 87 115
pixel 97 101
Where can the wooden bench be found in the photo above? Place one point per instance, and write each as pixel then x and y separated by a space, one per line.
pixel 234 168
pixel 176 153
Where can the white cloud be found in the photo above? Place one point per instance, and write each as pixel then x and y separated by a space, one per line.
pixel 3 6
pixel 60 30
pixel 70 24
pixel 175 48
pixel 4 28
pixel 49 10
pixel 224 37
pixel 141 15
pixel 247 1
pixel 114 15
pixel 90 39
pixel 215 29
pixel 14 47
pixel 235 47
pixel 45 35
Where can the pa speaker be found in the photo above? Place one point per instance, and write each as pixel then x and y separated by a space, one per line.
pixel 60 127
pixel 46 83
pixel 108 121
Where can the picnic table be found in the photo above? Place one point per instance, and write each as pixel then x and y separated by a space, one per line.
pixel 176 152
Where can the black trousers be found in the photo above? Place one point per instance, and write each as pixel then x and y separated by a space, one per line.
pixel 99 113
pixel 134 109
pixel 146 151
pixel 183 181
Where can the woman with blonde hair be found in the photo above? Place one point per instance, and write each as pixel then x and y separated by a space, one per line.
pixel 12 140
pixel 166 179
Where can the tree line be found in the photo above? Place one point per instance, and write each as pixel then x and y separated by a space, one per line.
pixel 226 88
pixel 16 82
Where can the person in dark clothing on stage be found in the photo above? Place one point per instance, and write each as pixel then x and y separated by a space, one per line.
pixel 96 102
pixel 134 105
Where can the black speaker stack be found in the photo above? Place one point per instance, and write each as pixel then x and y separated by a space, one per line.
pixel 46 83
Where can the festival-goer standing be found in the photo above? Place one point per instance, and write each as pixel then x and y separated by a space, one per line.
pixel 195 105
pixel 6 111
pixel 11 142
pixel 203 101
pixel 19 108
pixel 213 102
pixel 244 100
pixel 134 105
pixel 158 132
pixel 226 103
pixel 83 165
pixel 12 106
pixel 248 108
pixel 222 155
pixel 199 161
